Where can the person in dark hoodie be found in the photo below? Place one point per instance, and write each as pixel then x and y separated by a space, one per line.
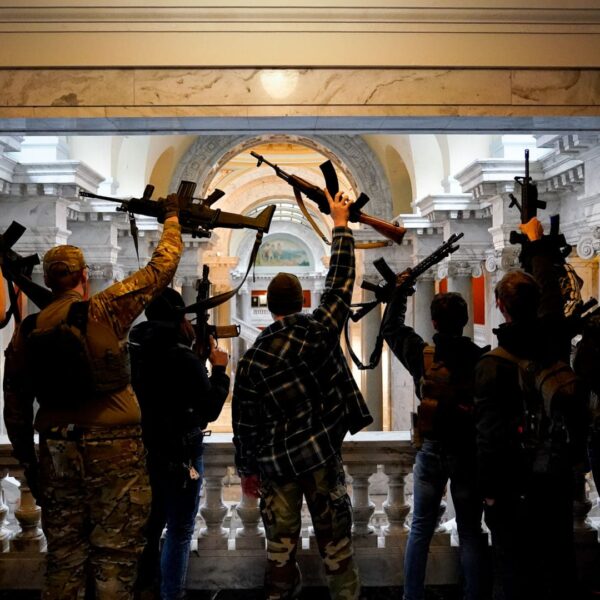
pixel 444 378
pixel 178 399
pixel 527 483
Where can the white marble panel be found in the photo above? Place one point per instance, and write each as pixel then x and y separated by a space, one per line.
pixel 556 87
pixel 321 86
pixel 66 88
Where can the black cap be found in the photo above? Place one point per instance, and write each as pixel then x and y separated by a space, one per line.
pixel 166 307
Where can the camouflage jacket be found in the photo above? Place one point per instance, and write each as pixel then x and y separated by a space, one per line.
pixel 116 307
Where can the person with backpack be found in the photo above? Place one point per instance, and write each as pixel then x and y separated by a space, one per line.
pixel 90 478
pixel 445 436
pixel 531 426
pixel 178 399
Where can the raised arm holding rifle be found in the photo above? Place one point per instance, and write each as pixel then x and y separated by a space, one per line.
pixel 444 432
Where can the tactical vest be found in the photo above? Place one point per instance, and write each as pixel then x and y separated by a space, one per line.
pixel 443 396
pixel 73 360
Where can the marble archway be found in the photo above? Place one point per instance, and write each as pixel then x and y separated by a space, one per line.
pixel 209 154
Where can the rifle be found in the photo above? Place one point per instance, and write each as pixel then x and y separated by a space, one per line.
pixel 570 282
pixel 17 270
pixel 392 231
pixel 202 328
pixel 195 214
pixel 385 289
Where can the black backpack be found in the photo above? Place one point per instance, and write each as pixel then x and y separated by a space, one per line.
pixel 61 370
pixel 555 412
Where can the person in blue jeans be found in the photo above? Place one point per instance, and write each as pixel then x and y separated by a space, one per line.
pixel 444 378
pixel 178 399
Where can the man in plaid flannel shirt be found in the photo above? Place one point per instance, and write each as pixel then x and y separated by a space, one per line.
pixel 294 400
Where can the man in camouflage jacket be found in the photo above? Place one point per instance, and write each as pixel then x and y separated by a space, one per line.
pixel 90 479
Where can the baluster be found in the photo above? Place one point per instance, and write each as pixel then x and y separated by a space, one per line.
pixel 250 535
pixel 30 538
pixel 213 511
pixel 363 534
pixel 395 506
pixel 584 532
pixel 4 532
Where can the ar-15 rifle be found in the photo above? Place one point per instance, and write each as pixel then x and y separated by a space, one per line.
pixel 384 290
pixel 195 215
pixel 201 308
pixel 569 281
pixel 393 232
pixel 17 270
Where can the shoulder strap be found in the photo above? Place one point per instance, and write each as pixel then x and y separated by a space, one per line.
pixel 28 324
pixel 78 315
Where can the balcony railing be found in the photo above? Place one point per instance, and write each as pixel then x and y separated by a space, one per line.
pixel 228 550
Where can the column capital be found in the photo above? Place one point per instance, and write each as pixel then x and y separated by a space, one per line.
pixel 588 245
pixel 106 272
pixel 502 260
pixel 459 268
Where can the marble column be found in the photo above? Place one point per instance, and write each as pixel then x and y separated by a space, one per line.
pixel 425 291
pixel 460 281
pixel 372 383
pixel 188 290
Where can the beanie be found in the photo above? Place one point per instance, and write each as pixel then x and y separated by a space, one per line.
pixel 284 294
pixel 166 307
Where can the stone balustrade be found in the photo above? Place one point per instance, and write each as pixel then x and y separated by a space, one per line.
pixel 228 551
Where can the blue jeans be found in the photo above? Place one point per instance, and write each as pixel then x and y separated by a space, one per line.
pixel 175 502
pixel 433 468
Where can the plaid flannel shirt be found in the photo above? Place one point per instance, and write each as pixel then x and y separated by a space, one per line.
pixel 294 397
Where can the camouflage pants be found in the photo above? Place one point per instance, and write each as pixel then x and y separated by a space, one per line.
pixel 95 504
pixel 331 512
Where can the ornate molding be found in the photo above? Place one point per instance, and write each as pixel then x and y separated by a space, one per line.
pixel 247 17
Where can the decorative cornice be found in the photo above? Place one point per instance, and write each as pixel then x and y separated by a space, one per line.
pixel 63 172
pixel 306 16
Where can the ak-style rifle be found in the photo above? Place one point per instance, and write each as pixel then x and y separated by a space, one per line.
pixel 387 287
pixel 202 327
pixel 393 232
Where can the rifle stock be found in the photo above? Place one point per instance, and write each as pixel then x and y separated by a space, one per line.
pixel 391 231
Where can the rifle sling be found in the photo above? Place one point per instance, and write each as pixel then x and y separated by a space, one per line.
pixel 375 355
pixel 221 298
pixel 313 224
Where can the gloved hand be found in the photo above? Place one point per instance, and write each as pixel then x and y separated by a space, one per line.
pixel 170 206
pixel 251 486
pixel 532 229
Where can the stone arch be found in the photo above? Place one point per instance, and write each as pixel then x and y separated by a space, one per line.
pixel 349 153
